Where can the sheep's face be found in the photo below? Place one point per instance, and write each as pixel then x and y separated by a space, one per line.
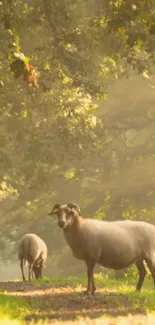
pixel 65 215
pixel 37 271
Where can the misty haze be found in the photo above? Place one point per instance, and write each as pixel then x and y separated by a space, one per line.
pixel 77 117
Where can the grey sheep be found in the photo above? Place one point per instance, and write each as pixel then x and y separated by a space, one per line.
pixel 32 249
pixel 114 245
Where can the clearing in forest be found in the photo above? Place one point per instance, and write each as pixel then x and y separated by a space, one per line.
pixel 63 302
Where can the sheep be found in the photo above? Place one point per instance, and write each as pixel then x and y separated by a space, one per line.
pixel 33 250
pixel 112 244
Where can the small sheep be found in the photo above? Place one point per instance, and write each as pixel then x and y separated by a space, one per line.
pixel 32 249
pixel 115 245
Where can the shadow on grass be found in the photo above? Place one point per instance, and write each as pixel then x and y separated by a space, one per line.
pixel 59 302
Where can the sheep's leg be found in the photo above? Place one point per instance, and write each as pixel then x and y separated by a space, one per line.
pixel 152 270
pixel 32 275
pixel 22 269
pixel 40 273
pixel 91 284
pixel 30 272
pixel 142 274
pixel 41 268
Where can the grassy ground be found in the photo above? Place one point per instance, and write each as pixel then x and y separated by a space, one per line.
pixel 61 301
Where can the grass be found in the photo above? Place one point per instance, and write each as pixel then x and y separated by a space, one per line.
pixel 61 300
pixel 13 309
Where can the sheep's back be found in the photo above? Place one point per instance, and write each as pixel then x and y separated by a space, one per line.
pixel 124 240
pixel 31 247
pixel 138 230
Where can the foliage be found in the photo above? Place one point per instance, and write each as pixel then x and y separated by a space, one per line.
pixel 62 141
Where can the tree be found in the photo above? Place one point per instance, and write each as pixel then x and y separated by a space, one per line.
pixel 57 60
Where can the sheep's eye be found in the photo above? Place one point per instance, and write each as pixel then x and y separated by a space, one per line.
pixel 68 215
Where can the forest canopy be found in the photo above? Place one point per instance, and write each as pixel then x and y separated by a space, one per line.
pixel 59 140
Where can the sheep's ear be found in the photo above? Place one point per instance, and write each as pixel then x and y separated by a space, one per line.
pixel 74 206
pixel 55 209
pixel 73 213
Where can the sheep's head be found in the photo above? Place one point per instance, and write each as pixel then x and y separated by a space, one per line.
pixel 66 214
pixel 37 269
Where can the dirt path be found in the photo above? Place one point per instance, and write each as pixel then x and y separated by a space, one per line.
pixel 69 306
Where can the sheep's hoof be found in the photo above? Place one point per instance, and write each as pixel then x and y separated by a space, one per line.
pixel 93 290
pixel 86 292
